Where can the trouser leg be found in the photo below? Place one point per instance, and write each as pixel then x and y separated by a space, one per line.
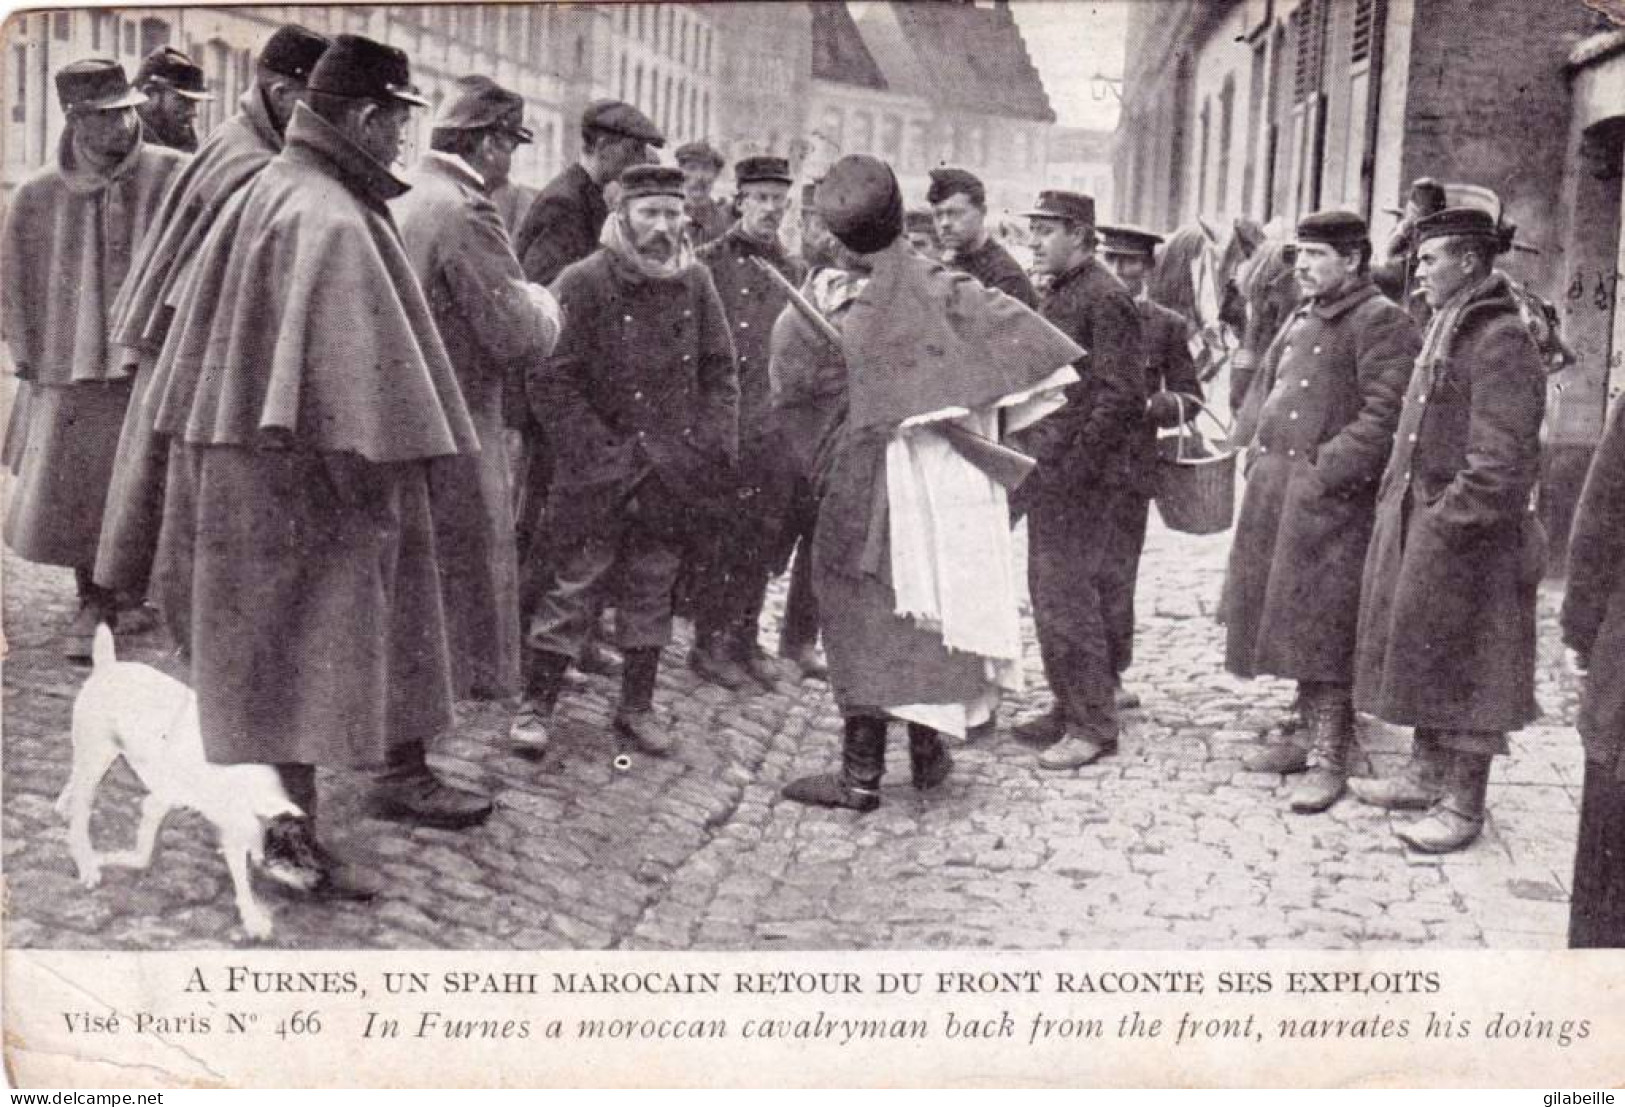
pixel 799 630
pixel 1065 548
pixel 1120 570
pixel 1597 913
pixel 648 568
pixel 567 609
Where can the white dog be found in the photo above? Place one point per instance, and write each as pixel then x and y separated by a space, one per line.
pixel 152 719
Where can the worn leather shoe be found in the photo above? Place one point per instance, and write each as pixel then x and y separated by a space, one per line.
pixel 811 662
pixel 1319 788
pixel 645 730
pixel 717 667
pixel 1442 830
pixel 831 790
pixel 296 862
pixel 1126 699
pixel 1277 757
pixel 81 634
pixel 1405 792
pixel 1043 731
pixel 528 733
pixel 1077 750
pixel 759 667
pixel 430 801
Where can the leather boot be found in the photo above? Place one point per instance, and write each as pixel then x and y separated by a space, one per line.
pixel 928 759
pixel 1418 786
pixel 1282 752
pixel 710 659
pixel 1456 820
pixel 635 717
pixel 544 676
pixel 1331 735
pixel 297 861
pixel 1045 730
pixel 1082 745
pixel 754 662
pixel 863 762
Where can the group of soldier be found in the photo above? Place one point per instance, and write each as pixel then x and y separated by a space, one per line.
pixel 370 444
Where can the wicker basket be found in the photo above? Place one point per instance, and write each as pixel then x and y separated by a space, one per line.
pixel 1196 488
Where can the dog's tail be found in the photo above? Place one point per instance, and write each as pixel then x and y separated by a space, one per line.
pixel 102 652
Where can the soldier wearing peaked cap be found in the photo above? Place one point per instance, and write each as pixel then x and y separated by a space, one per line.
pixel 481 106
pixel 958 202
pixel 1170 374
pixel 70 230
pixel 301 495
pixel 708 219
pixel 739 559
pixel 1083 465
pixel 174 86
pixel 231 156
pixel 494 325
pixel 1333 380
pixel 562 227
pixel 639 403
pixel 1447 607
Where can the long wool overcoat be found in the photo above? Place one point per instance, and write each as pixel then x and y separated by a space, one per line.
pixel 229 158
pixel 70 233
pixel 305 390
pixel 1594 601
pixel 492 331
pixel 1447 610
pixel 1335 378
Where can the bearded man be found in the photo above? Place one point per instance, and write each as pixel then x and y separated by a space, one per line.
pixel 640 403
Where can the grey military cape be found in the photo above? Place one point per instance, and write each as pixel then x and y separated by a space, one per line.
pixel 305 390
pixel 68 239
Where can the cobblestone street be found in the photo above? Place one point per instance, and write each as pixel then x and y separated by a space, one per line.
pixel 1168 845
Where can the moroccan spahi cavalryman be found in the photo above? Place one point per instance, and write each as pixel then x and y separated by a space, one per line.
pixel 913 565
pixel 69 235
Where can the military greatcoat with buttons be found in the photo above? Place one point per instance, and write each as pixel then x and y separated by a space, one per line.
pixel 1447 614
pixel 641 385
pixel 1336 375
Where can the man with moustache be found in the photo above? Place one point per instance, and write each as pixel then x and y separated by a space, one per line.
pixel 708 220
pixel 235 152
pixel 958 201
pixel 741 554
pixel 494 325
pixel 1083 469
pixel 640 402
pixel 1170 374
pixel 1447 606
pixel 305 391
pixel 174 86
pixel 1333 380
pixel 69 233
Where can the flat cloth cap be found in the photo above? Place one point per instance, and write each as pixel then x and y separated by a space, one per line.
pixel 95 84
pixel 1072 206
pixel 477 103
pixel 650 180
pixel 293 51
pixel 762 168
pixel 1465 223
pixel 1333 228
pixel 949 182
pixel 621 118
pixel 700 153
pixel 168 68
pixel 363 69
pixel 861 203
pixel 1129 241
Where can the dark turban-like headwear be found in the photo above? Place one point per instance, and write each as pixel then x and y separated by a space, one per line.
pixel 861 203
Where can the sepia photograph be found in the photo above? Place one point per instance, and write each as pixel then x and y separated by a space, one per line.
pixel 689 492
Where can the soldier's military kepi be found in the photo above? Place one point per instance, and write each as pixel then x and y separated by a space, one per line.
pixel 762 168
pixel 1333 228
pixel 621 118
pixel 1072 206
pixel 651 180
pixel 171 69
pixel 1129 242
pixel 700 153
pixel 362 69
pixel 479 102
pixel 95 84
pixel 293 51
